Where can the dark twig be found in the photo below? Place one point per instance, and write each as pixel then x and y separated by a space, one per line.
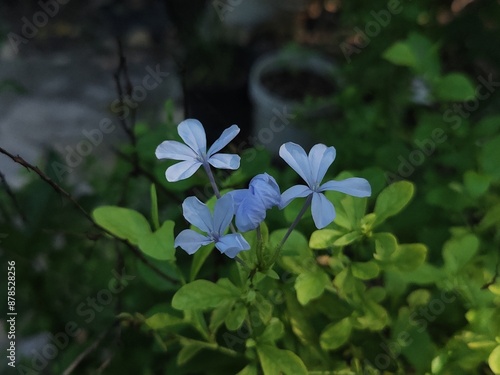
pixel 122 73
pixel 19 160
pixel 73 365
pixel 12 196
pixel 495 276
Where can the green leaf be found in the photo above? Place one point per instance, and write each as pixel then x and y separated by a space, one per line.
pixel 323 238
pixel 487 127
pixel 385 245
pixel 219 315
pixel 458 251
pixel 295 245
pixel 154 207
pixel 392 200
pixel 197 320
pixel 124 223
pixel 264 308
pixel 199 259
pixel 349 210
pixel 311 285
pixel 454 87
pixel 163 320
pixel 336 335
pixel 160 244
pixel 409 257
pixel 364 271
pixel 476 184
pixel 426 54
pixel 401 54
pixel 236 316
pixel 347 239
pixel 273 332
pixel 345 281
pixel 249 370
pixel 188 351
pixel 201 295
pixel 491 218
pixel 494 360
pixel 489 157
pixel 275 361
pixel 375 317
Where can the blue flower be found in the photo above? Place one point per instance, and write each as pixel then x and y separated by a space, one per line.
pixel 251 204
pixel 195 154
pixel 312 168
pixel 214 226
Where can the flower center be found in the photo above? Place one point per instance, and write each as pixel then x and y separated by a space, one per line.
pixel 215 236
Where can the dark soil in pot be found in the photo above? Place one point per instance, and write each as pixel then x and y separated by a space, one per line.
pixel 297 85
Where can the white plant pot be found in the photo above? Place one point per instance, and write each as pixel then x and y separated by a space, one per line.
pixel 274 118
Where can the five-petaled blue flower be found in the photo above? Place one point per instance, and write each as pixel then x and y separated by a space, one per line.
pixel 251 204
pixel 214 226
pixel 195 154
pixel 312 169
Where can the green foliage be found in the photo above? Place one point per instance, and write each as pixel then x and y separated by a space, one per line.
pixel 404 282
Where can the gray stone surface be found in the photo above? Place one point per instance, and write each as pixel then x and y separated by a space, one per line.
pixel 66 93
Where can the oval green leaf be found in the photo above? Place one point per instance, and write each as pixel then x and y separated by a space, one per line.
pixel 124 223
pixel 201 295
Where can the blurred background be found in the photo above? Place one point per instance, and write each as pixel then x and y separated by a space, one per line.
pixel 402 89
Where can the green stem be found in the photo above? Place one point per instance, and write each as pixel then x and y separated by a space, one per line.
pixel 259 245
pixel 303 210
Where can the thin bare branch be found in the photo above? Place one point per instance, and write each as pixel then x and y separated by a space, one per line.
pixel 19 160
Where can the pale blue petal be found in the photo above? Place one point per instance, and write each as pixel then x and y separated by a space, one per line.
pixel 225 161
pixel 174 150
pixel 232 244
pixel 320 159
pixel 355 186
pixel 322 210
pixel 223 213
pixel 297 191
pixel 238 196
pixel 226 137
pixel 251 212
pixel 198 214
pixel 266 189
pixel 296 157
pixel 190 241
pixel 182 170
pixel 192 132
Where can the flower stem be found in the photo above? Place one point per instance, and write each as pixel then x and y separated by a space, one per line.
pixel 301 213
pixel 259 244
pixel 211 178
